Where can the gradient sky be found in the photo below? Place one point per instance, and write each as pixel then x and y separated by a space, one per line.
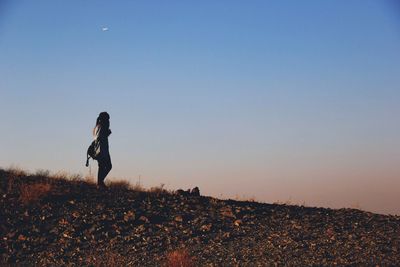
pixel 293 101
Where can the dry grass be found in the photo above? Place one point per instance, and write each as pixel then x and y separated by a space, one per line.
pixel 158 189
pixel 356 205
pixel 106 258
pixel 42 172
pixel 138 187
pixel 179 258
pixel 33 192
pixel 16 171
pixel 287 202
pixel 75 177
pixel 61 175
pixel 290 202
pixel 50 181
pixel 245 198
pixel 120 185
pixel 89 179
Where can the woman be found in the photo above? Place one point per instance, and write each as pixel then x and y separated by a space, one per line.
pixel 101 133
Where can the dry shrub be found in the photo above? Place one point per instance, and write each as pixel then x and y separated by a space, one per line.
pixel 179 258
pixel 158 189
pixel 42 173
pixel 138 187
pixel 120 185
pixel 33 192
pixel 75 177
pixel 62 175
pixel 89 179
pixel 16 171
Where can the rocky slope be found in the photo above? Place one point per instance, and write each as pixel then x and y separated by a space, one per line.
pixel 54 221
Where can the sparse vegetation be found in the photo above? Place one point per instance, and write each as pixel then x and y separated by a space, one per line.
pixel 62 175
pixel 119 185
pixel 33 192
pixel 89 180
pixel 41 172
pixel 179 258
pixel 75 177
pixel 16 171
pixel 290 202
pixel 107 257
pixel 245 198
pixel 158 190
pixel 138 187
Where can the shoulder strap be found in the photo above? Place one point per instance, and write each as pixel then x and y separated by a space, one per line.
pixel 87 160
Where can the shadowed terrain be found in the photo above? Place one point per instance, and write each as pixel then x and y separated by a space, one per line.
pixel 63 220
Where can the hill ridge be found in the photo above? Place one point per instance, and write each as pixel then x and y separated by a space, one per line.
pixel 49 220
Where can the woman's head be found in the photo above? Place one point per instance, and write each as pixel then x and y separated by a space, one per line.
pixel 103 119
pixel 104 116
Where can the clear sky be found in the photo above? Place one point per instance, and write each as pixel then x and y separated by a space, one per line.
pixel 278 100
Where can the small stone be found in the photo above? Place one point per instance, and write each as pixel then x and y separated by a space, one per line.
pixel 11 234
pixel 178 218
pixel 141 228
pixel 238 222
pixel 144 219
pixel 66 235
pixel 226 235
pixel 195 192
pixel 206 227
pixel 227 212
pixel 130 215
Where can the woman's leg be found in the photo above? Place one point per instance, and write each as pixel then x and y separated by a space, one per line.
pixel 105 167
pixel 101 173
pixel 108 165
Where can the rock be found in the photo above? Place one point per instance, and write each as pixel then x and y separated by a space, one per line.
pixel 178 218
pixel 195 192
pixel 144 219
pixel 183 192
pixel 227 212
pixel 237 222
pixel 206 227
pixel 226 235
pixel 130 215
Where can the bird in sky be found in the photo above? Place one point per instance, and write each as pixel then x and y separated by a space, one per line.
pixel 104 29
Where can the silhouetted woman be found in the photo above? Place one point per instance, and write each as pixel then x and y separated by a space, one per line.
pixel 101 133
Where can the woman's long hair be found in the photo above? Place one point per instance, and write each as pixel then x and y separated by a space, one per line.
pixel 103 120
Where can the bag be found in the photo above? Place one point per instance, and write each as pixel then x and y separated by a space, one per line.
pixel 93 151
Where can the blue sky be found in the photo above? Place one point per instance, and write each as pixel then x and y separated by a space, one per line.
pixel 277 100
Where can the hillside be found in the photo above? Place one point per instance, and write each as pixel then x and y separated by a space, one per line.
pixel 59 221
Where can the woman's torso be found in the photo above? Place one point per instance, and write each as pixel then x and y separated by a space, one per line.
pixel 101 135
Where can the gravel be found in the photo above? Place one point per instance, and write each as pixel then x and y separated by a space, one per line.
pixel 77 224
